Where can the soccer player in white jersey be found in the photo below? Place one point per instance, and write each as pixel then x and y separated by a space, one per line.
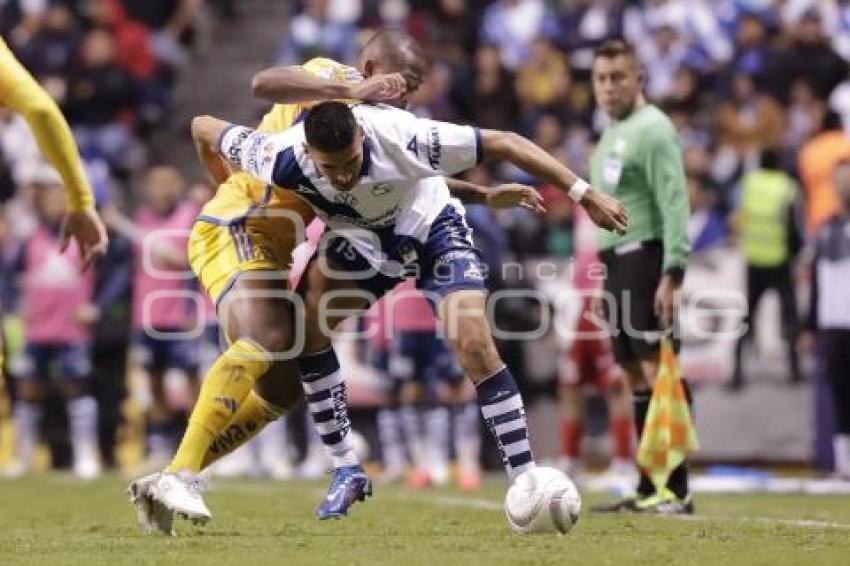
pixel 366 171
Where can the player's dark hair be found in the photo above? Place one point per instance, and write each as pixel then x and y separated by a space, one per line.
pixel 330 126
pixel 614 48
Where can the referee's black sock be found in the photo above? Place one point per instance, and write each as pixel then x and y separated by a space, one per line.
pixel 640 400
pixel 678 481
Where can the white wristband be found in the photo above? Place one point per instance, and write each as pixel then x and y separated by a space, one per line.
pixel 578 188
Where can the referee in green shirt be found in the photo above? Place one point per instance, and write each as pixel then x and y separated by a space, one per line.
pixel 639 161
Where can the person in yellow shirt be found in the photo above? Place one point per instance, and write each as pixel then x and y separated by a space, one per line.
pixel 241 249
pixel 21 93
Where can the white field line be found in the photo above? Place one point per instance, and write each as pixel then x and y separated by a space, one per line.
pixel 487 505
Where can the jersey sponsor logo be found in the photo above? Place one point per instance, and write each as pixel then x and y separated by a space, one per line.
pixel 347 199
pixel 234 152
pixel 382 189
pixel 254 150
pixel 434 148
pixel 268 153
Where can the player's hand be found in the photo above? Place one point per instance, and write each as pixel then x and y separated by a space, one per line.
pixel 664 304
pixel 380 88
pixel 605 211
pixel 86 227
pixel 511 195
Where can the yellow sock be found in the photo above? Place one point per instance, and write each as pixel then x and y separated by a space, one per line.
pixel 227 383
pixel 252 416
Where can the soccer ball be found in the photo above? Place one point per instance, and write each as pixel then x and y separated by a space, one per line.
pixel 542 500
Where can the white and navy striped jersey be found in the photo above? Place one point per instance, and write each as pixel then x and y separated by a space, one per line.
pixel 830 302
pixel 400 186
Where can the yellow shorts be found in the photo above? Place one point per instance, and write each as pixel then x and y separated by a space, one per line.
pixel 261 238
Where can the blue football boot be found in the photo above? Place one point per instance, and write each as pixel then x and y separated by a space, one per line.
pixel 349 484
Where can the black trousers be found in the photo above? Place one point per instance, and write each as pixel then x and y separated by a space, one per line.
pixel 759 281
pixel 834 356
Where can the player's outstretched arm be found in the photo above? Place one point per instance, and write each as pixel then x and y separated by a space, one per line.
pixel 20 92
pixel 293 84
pixel 509 195
pixel 604 210
pixel 206 132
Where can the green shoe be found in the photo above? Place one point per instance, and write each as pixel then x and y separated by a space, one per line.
pixel 666 503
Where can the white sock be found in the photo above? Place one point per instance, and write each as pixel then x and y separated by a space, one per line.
pixel 82 418
pixel 27 416
pixel 389 429
pixel 437 434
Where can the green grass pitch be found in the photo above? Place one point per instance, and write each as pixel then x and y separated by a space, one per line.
pixel 54 520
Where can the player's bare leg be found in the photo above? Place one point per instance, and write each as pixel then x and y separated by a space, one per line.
pixel 464 318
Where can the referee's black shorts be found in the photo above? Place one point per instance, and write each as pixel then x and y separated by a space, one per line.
pixel 633 274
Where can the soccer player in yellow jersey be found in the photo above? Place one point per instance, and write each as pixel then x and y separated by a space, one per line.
pixel 241 248
pixel 20 92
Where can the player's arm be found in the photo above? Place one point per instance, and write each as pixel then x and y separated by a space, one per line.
pixel 429 148
pixel 604 210
pixel 257 153
pixel 20 92
pixel 295 84
pixel 205 133
pixel 508 195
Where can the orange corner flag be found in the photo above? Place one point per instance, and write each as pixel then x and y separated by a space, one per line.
pixel 669 434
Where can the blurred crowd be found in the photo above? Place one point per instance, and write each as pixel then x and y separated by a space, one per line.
pixel 752 85
pixel 737 76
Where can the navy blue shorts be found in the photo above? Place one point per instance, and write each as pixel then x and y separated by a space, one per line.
pixel 424 357
pixel 161 354
pixel 447 261
pixel 68 361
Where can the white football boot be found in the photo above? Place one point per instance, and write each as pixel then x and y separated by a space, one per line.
pixel 151 514
pixel 181 494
